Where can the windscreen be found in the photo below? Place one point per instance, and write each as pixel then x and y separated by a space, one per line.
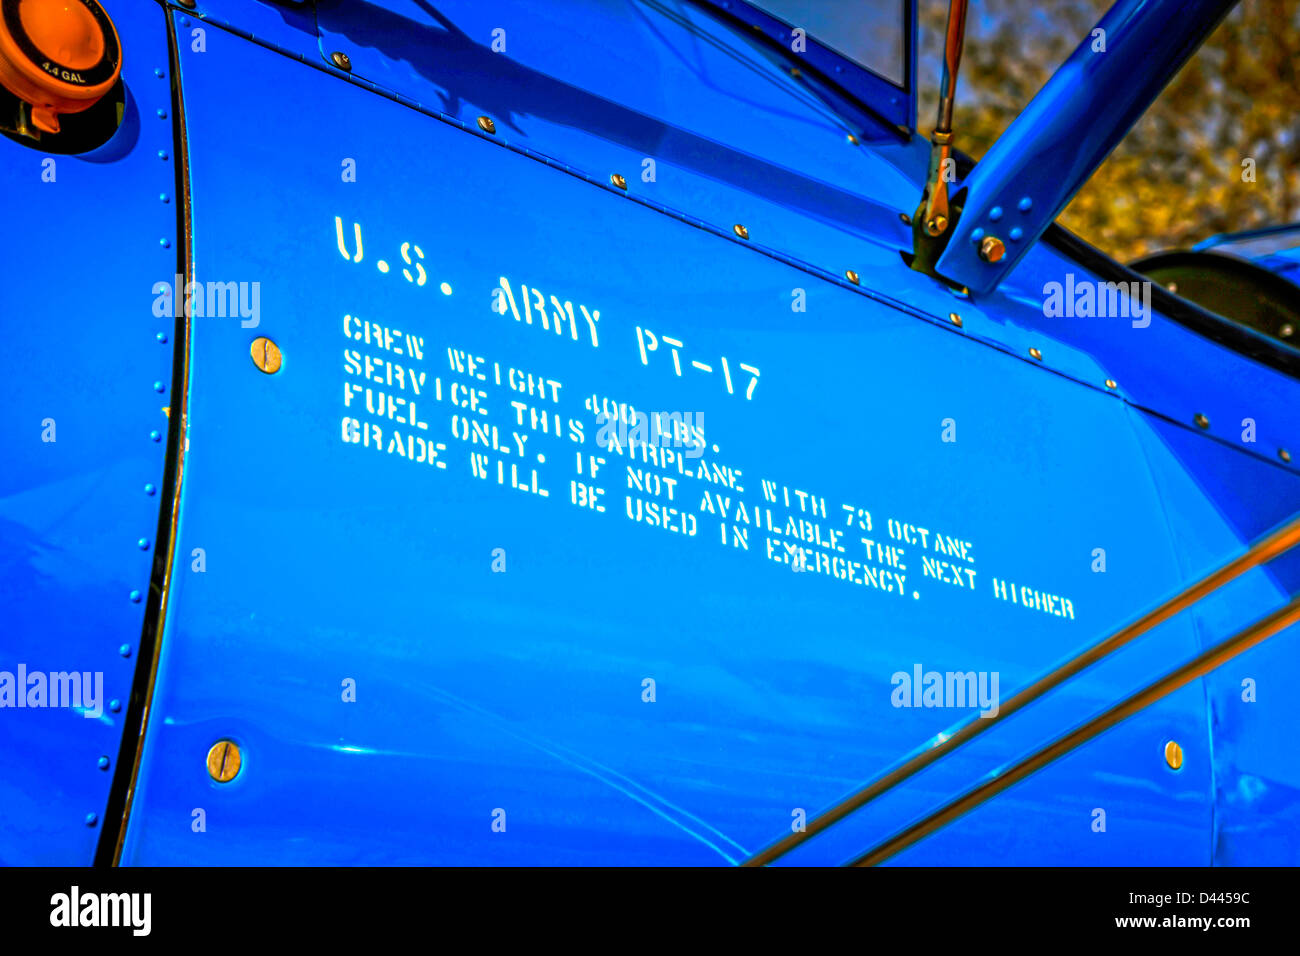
pixel 870 32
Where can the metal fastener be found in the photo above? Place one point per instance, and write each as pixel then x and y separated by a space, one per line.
pixel 486 125
pixel 851 276
pixel 341 60
pixel 992 249
pixel 905 218
pixel 1201 420
pixel 740 231
pixel 224 761
pixel 955 319
pixel 1034 353
pixel 618 180
pixel 1284 454
pixel 1110 383
pixel 1173 755
pixel 266 355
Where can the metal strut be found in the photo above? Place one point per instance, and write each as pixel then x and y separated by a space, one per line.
pixel 1261 552
pixel 934 215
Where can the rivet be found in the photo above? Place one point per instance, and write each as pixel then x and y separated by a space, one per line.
pixel 125 650
pixel 162 154
pixel 162 114
pixel 155 435
pixel 149 489
pixel 115 705
pixel 618 180
pixel 853 139
pixel 1110 383
pixel 1173 755
pixel 159 386
pixel 1201 420
pixel 740 231
pixel 936 225
pixel 995 213
pixel 158 72
pixel 341 60
pixel 103 763
pixel 143 544
pixel 1284 454
pixel 1026 204
pixel 1016 233
pixel 851 276
pixel 1034 353
pixel 976 234
pixel 223 761
pixel 794 71
pixel 266 355
pixel 1172 287
pixel 955 319
pixel 91 819
pixel 906 219
pixel 992 249
pixel 1286 331
pixel 486 125
pixel 135 597
pixel 163 197
pixel 165 243
pixel 161 337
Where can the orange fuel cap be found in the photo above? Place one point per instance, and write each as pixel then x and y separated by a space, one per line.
pixel 60 56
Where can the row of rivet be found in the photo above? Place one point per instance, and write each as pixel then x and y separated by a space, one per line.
pixel 136 596
pixel 992 248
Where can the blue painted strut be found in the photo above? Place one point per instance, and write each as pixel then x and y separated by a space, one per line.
pixel 1067 130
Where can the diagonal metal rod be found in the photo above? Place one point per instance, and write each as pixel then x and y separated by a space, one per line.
pixel 1200 665
pixel 1261 552
pixel 934 218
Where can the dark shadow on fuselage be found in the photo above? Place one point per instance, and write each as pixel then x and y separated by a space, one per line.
pixel 462 70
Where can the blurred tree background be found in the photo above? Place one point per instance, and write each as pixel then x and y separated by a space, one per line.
pixel 1177 177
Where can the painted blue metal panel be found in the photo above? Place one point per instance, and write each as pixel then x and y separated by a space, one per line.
pixel 827 207
pixel 361 526
pixel 85 240
pixel 331 559
pixel 1215 501
pixel 693 115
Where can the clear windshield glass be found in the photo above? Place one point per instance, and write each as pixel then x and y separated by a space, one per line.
pixel 869 32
